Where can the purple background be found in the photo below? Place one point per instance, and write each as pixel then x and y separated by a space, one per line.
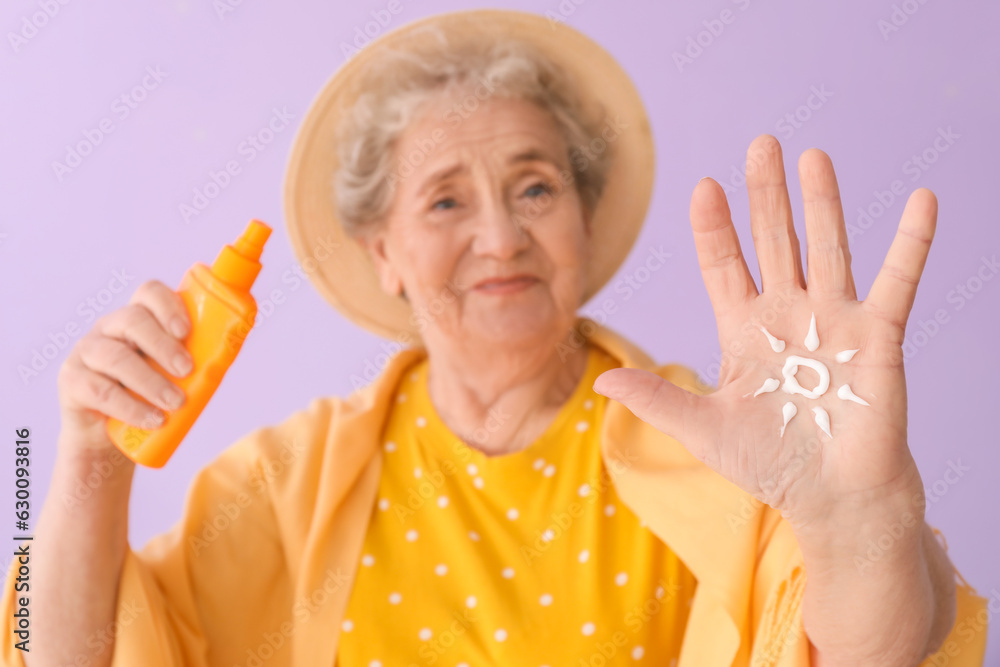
pixel 889 94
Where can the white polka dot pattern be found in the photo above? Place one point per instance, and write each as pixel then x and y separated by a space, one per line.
pixel 460 543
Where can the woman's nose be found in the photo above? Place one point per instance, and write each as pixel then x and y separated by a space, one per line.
pixel 499 232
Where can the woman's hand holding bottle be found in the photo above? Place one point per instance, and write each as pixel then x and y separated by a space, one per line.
pixel 114 355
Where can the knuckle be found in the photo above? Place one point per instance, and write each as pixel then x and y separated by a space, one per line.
pixel 101 324
pixel 134 315
pixel 108 354
pixel 117 353
pixel 145 291
pixel 86 346
pixel 67 376
pixel 101 390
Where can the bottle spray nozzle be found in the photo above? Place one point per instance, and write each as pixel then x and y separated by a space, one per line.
pixel 238 263
pixel 251 242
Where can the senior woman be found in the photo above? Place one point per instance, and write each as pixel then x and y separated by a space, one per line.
pixel 519 485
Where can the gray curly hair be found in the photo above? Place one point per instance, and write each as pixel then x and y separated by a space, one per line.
pixel 398 88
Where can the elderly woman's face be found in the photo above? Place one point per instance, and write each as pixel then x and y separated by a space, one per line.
pixel 486 239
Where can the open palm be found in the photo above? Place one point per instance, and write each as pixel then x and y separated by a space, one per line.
pixel 803 472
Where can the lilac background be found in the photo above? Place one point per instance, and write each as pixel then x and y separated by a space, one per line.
pixel 60 241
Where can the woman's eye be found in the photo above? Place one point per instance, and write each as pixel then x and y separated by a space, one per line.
pixel 538 189
pixel 447 200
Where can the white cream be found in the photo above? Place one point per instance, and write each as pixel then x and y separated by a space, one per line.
pixel 777 344
pixel 792 386
pixel 845 393
pixel 845 356
pixel 769 385
pixel 823 420
pixel 788 411
pixel 812 338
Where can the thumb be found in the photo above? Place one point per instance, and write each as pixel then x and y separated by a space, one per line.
pixel 662 404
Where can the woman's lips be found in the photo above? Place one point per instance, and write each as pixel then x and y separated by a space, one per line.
pixel 508 286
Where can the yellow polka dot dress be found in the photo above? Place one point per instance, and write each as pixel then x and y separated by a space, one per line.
pixel 524 559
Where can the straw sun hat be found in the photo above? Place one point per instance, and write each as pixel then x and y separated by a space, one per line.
pixel 339 266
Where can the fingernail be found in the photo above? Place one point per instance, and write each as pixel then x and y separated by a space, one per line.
pixel 182 364
pixel 178 327
pixel 153 420
pixel 172 397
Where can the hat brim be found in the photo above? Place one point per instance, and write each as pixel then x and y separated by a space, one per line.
pixel 341 269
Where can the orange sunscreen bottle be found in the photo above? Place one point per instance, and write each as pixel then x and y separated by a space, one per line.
pixel 222 311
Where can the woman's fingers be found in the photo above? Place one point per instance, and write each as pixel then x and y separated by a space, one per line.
pixel 121 368
pixel 145 324
pixel 92 390
pixel 720 257
pixel 895 286
pixel 166 305
pixel 771 223
pixel 117 354
pixel 829 257
pixel 120 362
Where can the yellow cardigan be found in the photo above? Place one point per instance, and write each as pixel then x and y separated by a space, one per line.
pixel 258 571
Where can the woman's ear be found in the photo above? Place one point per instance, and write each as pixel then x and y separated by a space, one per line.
pixel 375 244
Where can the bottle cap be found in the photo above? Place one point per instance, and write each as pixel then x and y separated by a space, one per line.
pixel 238 264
